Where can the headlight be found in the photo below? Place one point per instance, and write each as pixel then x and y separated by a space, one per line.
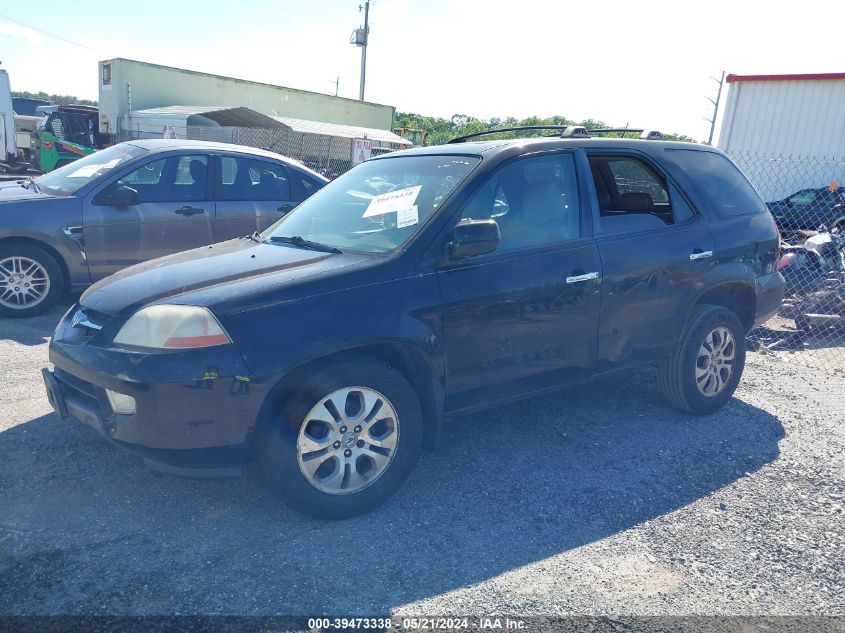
pixel 172 327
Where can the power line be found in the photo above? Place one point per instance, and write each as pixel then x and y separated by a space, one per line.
pixel 48 34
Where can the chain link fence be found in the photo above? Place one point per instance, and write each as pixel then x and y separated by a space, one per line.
pixel 805 196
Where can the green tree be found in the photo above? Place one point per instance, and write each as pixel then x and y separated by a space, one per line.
pixel 55 99
pixel 441 130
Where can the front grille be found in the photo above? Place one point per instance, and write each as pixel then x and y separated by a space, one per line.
pixel 90 319
pixel 77 384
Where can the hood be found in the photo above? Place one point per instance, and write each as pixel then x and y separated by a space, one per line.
pixel 211 276
pixel 11 190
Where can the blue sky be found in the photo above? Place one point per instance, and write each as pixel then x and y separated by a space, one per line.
pixel 643 63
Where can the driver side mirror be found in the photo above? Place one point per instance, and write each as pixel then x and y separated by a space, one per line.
pixel 122 196
pixel 471 238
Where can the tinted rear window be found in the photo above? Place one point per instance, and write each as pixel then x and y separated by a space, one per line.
pixel 719 181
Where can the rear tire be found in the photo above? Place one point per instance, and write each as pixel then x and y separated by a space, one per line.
pixel 321 460
pixel 31 280
pixel 706 366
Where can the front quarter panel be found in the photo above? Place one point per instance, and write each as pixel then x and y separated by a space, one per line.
pixel 276 339
pixel 43 221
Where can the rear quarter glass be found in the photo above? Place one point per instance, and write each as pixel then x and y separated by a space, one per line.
pixel 717 183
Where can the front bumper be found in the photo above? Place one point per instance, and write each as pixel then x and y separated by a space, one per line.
pixel 195 409
pixel 770 289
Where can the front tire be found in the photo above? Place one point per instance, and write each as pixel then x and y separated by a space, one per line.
pixel 31 280
pixel 706 366
pixel 345 442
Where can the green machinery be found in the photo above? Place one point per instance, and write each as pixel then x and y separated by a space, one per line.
pixel 65 134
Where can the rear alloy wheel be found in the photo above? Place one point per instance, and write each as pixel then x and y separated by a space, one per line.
pixel 706 366
pixel 30 280
pixel 344 442
pixel 714 365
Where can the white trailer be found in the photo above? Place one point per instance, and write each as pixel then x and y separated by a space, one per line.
pixel 8 144
pixel 128 86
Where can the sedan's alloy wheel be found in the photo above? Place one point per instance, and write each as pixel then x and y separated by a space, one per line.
pixel 24 282
pixel 714 365
pixel 347 440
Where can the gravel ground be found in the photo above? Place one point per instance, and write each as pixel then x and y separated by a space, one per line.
pixel 574 503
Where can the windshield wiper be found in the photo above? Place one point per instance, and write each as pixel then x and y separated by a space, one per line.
pixel 298 240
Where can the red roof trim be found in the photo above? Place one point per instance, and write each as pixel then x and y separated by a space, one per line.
pixel 806 77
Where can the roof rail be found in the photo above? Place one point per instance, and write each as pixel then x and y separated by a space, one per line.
pixel 566 131
pixel 465 137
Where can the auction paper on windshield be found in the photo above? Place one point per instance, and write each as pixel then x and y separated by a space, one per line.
pixel 393 202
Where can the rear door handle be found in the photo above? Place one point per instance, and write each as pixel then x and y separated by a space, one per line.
pixel 697 254
pixel 186 210
pixel 585 277
pixel 285 208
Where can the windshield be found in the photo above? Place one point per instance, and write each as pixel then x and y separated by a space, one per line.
pixel 69 179
pixel 378 205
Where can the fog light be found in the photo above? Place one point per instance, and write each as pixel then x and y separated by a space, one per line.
pixel 120 402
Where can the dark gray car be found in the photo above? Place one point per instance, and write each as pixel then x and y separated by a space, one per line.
pixel 132 202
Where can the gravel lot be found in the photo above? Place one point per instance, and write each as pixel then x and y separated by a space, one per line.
pixel 596 500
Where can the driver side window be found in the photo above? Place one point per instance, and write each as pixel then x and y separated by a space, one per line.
pixel 149 174
pixel 533 200
pixel 170 179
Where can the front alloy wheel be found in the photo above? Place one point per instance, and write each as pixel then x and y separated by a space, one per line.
pixel 31 280
pixel 347 440
pixel 342 440
pixel 24 283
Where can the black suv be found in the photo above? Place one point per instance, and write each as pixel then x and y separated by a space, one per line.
pixel 419 285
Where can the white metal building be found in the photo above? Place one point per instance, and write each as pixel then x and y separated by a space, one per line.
pixel 792 125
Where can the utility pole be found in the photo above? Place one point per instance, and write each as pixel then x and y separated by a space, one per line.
pixel 360 37
pixel 715 103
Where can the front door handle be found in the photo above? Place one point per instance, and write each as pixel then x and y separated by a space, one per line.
pixel 188 210
pixel 585 277
pixel 285 208
pixel 699 254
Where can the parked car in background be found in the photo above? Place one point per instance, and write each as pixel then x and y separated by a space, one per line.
pixel 417 286
pixel 132 202
pixel 809 209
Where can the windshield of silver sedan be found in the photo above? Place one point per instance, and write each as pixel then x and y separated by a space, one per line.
pixel 377 206
pixel 67 180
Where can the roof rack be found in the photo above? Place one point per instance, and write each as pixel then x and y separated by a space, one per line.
pixel 465 137
pixel 566 131
pixel 648 135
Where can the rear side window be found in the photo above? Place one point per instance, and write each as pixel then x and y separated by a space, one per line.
pixel 719 181
pixel 633 197
pixel 631 176
pixel 310 185
pixel 248 179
